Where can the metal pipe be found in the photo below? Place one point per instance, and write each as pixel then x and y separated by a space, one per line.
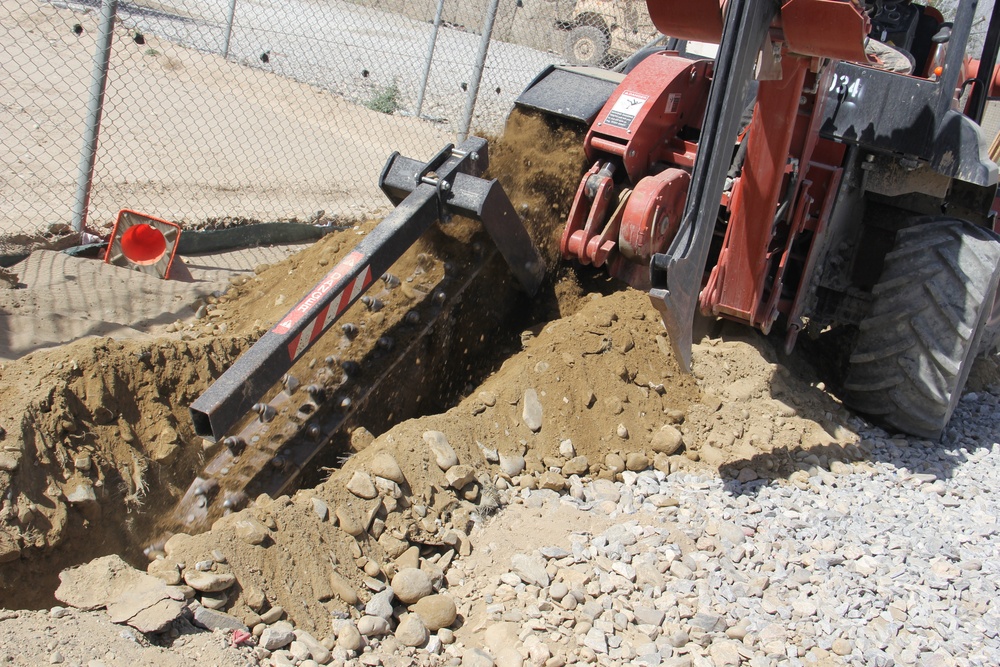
pixel 229 28
pixel 987 63
pixel 477 72
pixel 95 107
pixel 430 56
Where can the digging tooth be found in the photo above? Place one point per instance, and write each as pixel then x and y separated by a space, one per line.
pixel 291 383
pixel 345 402
pixel 390 280
pixel 314 431
pixel 316 392
pixel 330 361
pixel 235 444
pixel 234 500
pixel 350 330
pixel 412 317
pixel 352 368
pixel 439 297
pixel 278 462
pixel 385 343
pixel 449 268
pixel 264 411
pixel 372 303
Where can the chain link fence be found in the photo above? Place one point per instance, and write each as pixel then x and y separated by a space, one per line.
pixel 205 112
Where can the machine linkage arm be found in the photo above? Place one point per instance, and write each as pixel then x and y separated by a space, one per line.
pixel 423 193
pixel 676 276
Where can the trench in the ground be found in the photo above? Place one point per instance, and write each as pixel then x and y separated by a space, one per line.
pixel 464 338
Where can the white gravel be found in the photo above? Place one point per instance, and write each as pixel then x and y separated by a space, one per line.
pixel 890 559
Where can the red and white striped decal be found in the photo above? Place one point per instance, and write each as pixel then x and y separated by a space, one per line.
pixel 329 313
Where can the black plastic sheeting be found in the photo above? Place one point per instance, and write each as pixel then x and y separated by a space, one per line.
pixel 205 241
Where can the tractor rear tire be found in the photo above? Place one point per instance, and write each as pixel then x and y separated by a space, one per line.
pixel 931 310
pixel 588 45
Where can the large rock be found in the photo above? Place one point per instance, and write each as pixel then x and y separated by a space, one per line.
pixel 373 626
pixel 361 485
pixel 531 412
pixel 147 605
pixel 475 657
pixel 250 530
pixel 164 569
pixel 436 611
pixel 274 638
pixel 444 453
pixel 343 589
pixel 512 465
pixel 217 620
pixel 460 475
pixel 94 584
pixel 10 549
pixel 385 466
pixel 208 582
pixel 667 440
pixel 319 653
pixel 350 638
pixel 380 604
pixel 411 631
pixel 530 570
pixel 411 584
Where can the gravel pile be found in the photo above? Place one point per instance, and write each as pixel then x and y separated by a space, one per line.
pixel 886 559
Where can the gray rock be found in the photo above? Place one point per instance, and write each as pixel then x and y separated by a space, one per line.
pixel 321 509
pixel 531 413
pixel 380 604
pixel 444 454
pixel 217 620
pixel 274 638
pixel 596 640
pixel 531 570
pixel 648 615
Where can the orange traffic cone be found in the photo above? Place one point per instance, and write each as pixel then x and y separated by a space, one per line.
pixel 143 243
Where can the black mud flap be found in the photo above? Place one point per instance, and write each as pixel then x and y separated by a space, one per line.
pixel 574 93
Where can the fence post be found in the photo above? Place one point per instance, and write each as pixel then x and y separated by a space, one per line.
pixel 477 72
pixel 95 107
pixel 229 29
pixel 430 56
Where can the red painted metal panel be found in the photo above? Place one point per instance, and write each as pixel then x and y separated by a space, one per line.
pixel 700 20
pixel 737 282
pixel 826 28
pixel 662 94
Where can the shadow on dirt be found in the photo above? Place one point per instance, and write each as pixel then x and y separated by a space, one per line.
pixel 847 437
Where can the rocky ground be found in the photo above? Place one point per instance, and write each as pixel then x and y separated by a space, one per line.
pixel 878 554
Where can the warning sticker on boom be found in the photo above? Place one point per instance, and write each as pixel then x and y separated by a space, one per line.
pixel 626 108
